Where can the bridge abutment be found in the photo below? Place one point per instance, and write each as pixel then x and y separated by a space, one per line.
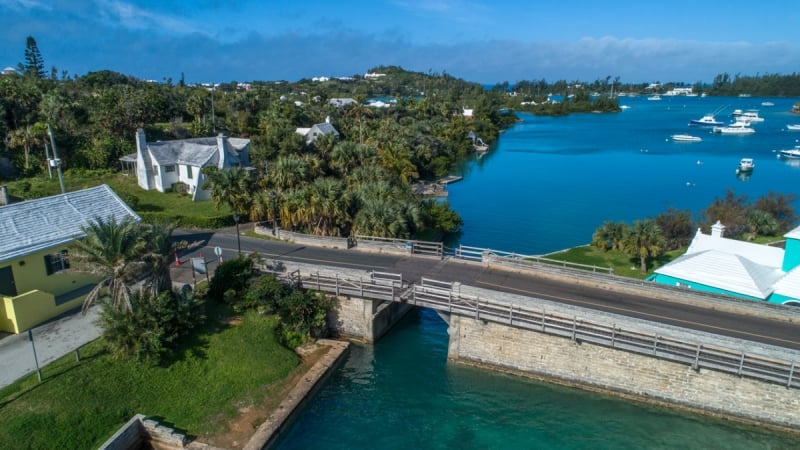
pixel 365 320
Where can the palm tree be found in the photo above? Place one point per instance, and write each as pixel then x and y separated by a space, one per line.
pixel 230 186
pixel 644 239
pixel 288 172
pixel 111 249
pixel 161 248
pixel 359 110
pixel 328 206
pixel 609 235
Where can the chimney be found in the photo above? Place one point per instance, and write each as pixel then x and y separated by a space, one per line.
pixel 3 195
pixel 717 230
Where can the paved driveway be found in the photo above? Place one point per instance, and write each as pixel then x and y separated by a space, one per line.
pixel 52 340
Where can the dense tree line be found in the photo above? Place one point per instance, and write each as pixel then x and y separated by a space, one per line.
pixel 770 215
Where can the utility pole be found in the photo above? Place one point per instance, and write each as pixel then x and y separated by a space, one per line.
pixel 56 162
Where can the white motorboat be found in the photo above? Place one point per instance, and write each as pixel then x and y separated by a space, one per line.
pixel 746 165
pixel 685 138
pixel 767 104
pixel 793 127
pixel 654 97
pixel 751 116
pixel 708 121
pixel 791 153
pixel 739 127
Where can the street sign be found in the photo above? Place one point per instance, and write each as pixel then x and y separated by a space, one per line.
pixel 218 251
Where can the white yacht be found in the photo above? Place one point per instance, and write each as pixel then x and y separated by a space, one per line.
pixel 740 127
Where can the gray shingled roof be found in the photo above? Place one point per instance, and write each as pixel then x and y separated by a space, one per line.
pixel 36 225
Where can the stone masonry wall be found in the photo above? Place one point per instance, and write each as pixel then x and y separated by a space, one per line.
pixel 619 372
pixel 365 320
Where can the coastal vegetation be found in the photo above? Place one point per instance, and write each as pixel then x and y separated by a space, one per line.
pixel 652 242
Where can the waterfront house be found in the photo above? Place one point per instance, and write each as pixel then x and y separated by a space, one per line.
pixel 35 285
pixel 167 165
pixel 317 130
pixel 716 264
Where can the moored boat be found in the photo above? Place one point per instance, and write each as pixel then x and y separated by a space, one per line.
pixel 751 116
pixel 654 97
pixel 746 165
pixel 685 138
pixel 795 127
pixel 739 127
pixel 708 121
pixel 791 153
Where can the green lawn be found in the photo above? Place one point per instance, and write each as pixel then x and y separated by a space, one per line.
pixel 145 203
pixel 81 404
pixel 622 264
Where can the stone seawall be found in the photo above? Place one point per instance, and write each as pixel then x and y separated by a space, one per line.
pixel 616 372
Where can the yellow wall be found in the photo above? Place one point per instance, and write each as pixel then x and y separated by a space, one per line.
pixel 36 292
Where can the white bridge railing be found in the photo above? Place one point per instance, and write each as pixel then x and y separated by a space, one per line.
pixel 446 297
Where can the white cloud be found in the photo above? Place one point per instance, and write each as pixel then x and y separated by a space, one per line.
pixel 121 13
pixel 21 5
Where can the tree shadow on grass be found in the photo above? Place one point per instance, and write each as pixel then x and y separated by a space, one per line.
pixel 195 344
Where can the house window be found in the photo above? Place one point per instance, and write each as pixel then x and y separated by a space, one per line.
pixel 169 168
pixel 189 172
pixel 155 170
pixel 56 262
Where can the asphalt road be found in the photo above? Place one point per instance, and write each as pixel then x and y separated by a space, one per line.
pixel 779 333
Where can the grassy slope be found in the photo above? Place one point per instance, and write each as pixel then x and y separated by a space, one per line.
pixel 81 404
pixel 622 264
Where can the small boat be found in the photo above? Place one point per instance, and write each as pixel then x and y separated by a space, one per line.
pixel 746 165
pixel 792 153
pixel 654 97
pixel 793 127
pixel 767 104
pixel 751 116
pixel 739 127
pixel 685 138
pixel 707 121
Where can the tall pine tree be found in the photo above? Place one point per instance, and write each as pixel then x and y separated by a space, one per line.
pixel 34 63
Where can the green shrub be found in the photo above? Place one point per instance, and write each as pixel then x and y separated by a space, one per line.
pixel 263 293
pixel 303 316
pixel 151 329
pixel 234 275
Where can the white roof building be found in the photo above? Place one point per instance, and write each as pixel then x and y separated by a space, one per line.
pixel 36 225
pixel 161 164
pixel 717 264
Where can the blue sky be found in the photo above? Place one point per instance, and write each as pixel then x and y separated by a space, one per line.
pixel 486 41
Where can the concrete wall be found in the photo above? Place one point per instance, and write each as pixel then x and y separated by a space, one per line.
pixel 617 372
pixel 365 320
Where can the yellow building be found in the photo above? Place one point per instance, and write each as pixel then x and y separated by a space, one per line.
pixel 35 236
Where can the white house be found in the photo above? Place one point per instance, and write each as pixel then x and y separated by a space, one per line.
pixel 317 130
pixel 714 263
pixel 161 164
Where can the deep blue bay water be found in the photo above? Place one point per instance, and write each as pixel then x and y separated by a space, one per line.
pixel 551 181
pixel 546 186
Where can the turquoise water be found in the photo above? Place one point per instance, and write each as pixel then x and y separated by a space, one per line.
pixel 549 183
pixel 402 394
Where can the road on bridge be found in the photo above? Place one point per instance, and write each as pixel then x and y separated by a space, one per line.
pixel 773 332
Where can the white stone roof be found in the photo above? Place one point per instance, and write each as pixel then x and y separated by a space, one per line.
pixel 197 152
pixel 736 266
pixel 793 234
pixel 758 253
pixel 726 271
pixel 789 285
pixel 35 225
